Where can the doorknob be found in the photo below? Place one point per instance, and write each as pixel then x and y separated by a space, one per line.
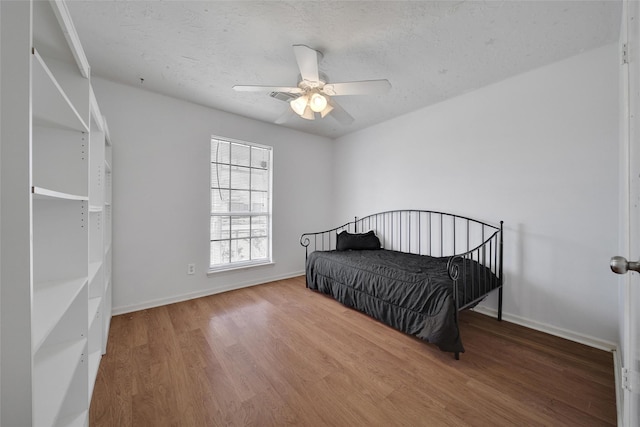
pixel 620 265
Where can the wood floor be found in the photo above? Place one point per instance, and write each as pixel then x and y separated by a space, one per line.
pixel 279 354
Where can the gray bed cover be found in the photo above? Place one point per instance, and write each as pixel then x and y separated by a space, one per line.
pixel 411 293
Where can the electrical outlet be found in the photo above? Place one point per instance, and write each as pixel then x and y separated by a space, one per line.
pixel 191 269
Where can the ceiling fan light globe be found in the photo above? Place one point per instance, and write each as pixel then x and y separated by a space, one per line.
pixel 299 104
pixel 317 103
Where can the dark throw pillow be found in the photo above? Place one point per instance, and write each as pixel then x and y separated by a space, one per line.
pixel 346 241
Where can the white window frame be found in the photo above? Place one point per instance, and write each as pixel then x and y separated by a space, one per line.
pixel 232 265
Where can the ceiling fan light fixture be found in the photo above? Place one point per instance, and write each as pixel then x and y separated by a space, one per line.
pixel 318 102
pixel 313 97
pixel 308 114
pixel 299 104
pixel 326 111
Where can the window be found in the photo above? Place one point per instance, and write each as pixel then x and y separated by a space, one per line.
pixel 240 204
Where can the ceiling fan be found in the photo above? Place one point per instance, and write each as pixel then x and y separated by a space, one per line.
pixel 313 94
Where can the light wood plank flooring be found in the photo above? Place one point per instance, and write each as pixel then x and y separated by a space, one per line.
pixel 279 354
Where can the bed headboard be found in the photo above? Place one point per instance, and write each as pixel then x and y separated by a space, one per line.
pixel 432 233
pixel 413 231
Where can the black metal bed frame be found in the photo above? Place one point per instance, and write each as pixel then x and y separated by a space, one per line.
pixel 439 234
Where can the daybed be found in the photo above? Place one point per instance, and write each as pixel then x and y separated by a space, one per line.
pixel 412 270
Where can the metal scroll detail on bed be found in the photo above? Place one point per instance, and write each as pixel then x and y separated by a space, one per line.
pixel 432 266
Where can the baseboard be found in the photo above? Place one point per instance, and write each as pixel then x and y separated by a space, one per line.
pixel 549 329
pixel 206 292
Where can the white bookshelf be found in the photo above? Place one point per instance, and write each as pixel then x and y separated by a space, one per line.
pixel 56 223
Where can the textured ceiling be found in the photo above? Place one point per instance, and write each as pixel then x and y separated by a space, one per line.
pixel 428 50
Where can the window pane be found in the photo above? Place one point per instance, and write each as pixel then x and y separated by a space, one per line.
pixel 259 179
pixel 239 178
pixel 240 250
pixel 259 248
pixel 259 201
pixel 219 200
pixel 240 227
pixel 240 184
pixel 240 201
pixel 220 227
pixel 220 252
pixel 220 151
pixel 240 154
pixel 259 158
pixel 219 176
pixel 259 226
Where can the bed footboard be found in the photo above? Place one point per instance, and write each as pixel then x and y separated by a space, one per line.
pixel 480 269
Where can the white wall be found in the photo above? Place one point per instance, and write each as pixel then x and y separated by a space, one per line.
pixel 539 151
pixel 161 164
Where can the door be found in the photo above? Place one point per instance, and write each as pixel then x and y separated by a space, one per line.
pixel 630 205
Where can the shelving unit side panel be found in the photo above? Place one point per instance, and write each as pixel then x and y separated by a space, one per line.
pixel 60 239
pixel 108 185
pixel 107 238
pixel 60 160
pixel 47 34
pixel 106 314
pixel 96 282
pixel 58 364
pixel 96 236
pixel 15 214
pixel 77 399
pixel 51 300
pixel 96 168
pixel 51 104
pixel 71 81
pixel 95 339
pixel 50 39
pixel 75 420
pixel 55 371
pixel 108 155
pixel 72 325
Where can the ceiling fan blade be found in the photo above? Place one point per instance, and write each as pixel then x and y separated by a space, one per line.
pixel 307 60
pixel 339 113
pixel 249 88
pixel 365 87
pixel 288 113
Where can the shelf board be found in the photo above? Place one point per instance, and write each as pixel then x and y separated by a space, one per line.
pixel 50 301
pixel 51 106
pixel 94 306
pixel 107 166
pixel 40 193
pixel 54 367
